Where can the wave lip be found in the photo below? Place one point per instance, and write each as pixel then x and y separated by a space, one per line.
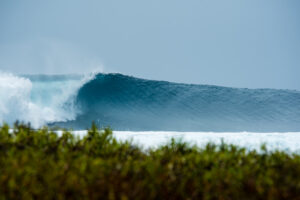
pixel 128 103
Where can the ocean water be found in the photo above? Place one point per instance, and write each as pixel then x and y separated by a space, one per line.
pixel 39 99
pixel 152 109
pixel 287 141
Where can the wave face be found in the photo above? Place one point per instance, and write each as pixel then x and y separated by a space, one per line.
pixel 128 103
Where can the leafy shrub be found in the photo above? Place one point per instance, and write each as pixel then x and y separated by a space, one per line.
pixel 40 164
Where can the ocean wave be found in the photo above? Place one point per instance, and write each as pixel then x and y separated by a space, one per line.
pixel 129 103
pixel 38 100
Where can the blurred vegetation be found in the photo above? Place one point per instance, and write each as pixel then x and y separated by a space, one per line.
pixel 40 164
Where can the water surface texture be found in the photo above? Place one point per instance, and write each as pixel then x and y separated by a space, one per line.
pixel 131 104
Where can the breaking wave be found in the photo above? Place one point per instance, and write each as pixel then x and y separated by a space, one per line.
pixel 38 99
pixel 128 103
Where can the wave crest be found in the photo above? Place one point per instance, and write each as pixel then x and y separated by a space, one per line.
pixel 128 103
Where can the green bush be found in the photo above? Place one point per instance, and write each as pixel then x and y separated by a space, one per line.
pixel 39 164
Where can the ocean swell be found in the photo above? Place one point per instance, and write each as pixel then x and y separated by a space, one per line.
pixel 128 103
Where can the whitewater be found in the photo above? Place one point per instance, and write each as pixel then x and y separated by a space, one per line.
pixel 152 112
pixel 287 141
pixel 38 99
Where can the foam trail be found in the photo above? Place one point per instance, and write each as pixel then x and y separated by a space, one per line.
pixel 288 141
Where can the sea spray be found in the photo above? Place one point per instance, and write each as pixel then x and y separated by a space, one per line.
pixel 38 100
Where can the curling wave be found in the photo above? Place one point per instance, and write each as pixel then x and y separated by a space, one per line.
pixel 128 103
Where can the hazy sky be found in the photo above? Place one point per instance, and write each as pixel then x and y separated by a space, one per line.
pixel 240 43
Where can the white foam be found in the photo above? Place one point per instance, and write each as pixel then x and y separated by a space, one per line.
pixel 38 103
pixel 289 141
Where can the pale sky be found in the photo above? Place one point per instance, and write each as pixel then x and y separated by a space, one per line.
pixel 238 43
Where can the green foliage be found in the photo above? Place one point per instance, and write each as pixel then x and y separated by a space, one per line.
pixel 39 164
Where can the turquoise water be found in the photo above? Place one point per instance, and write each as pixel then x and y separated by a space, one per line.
pixel 127 103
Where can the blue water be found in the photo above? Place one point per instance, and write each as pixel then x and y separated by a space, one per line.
pixel 129 103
